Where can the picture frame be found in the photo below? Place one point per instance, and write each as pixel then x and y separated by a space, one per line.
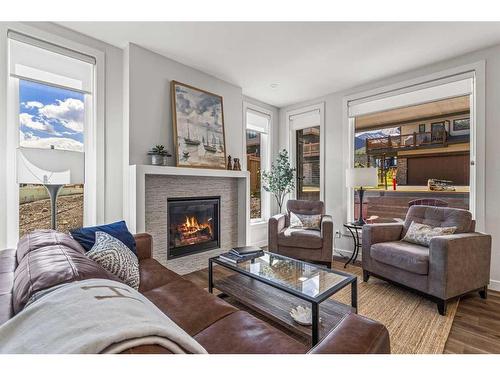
pixel 461 124
pixel 198 127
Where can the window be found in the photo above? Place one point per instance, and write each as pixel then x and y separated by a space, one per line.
pixel 257 143
pixel 414 168
pixel 51 89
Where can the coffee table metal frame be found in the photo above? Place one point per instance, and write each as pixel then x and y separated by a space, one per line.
pixel 315 301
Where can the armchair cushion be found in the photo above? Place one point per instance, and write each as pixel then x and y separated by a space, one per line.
pixel 302 238
pixel 409 257
pixel 421 234
pixel 302 221
pixel 439 217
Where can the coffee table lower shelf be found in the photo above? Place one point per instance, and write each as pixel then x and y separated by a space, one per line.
pixel 275 304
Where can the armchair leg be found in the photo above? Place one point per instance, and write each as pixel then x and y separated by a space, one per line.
pixel 483 293
pixel 366 276
pixel 441 305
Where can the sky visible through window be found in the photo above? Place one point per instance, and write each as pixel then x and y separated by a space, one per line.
pixel 50 116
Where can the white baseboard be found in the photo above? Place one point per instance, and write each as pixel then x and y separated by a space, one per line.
pixel 494 285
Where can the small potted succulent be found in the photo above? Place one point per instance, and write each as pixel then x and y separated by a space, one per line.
pixel 159 155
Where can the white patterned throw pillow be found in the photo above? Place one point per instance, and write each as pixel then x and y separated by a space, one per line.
pixel 421 234
pixel 114 256
pixel 303 221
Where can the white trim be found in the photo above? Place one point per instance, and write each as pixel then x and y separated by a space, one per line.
pixel 494 285
pixel 478 117
pixel 94 178
pixel 290 141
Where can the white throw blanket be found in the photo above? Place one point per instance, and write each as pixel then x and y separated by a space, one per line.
pixel 92 316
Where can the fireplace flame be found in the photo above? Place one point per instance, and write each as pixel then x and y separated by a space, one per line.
pixel 191 226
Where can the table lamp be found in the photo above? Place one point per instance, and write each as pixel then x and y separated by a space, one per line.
pixel 52 168
pixel 359 178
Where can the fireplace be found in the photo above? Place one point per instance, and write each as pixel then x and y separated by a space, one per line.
pixel 193 225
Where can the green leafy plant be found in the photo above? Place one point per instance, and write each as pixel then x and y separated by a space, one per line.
pixel 280 179
pixel 159 150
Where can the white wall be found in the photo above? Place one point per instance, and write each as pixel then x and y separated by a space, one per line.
pixel 336 148
pixel 150 118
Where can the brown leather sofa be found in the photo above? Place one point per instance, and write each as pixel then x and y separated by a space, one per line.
pixel 451 266
pixel 47 258
pixel 303 244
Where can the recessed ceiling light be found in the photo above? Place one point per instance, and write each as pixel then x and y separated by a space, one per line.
pixel 274 85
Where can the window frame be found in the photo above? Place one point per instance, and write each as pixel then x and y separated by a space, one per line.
pixel 265 162
pixel 93 136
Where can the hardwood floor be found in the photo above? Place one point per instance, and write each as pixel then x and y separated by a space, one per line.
pixel 475 329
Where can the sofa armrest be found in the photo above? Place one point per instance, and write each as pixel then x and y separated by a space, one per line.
pixel 459 263
pixel 143 245
pixel 327 235
pixel 275 225
pixel 355 334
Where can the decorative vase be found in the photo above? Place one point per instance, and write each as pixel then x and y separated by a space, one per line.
pixel 165 159
pixel 156 159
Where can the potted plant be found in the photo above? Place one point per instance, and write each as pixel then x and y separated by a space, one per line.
pixel 280 179
pixel 159 155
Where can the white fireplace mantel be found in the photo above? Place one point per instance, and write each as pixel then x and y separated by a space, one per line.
pixel 136 215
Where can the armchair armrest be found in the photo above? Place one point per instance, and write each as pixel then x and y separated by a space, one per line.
pixel 275 225
pixel 459 263
pixel 326 225
pixel 355 334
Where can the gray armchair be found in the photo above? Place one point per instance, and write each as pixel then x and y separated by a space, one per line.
pixel 451 266
pixel 303 244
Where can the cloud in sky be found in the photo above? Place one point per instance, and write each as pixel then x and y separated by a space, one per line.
pixel 69 112
pixel 25 119
pixel 32 104
pixel 30 140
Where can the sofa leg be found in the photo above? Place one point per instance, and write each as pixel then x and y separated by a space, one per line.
pixel 441 305
pixel 483 293
pixel 366 276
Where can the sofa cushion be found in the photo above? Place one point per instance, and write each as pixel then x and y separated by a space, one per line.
pixel 439 217
pixel 86 235
pixel 189 306
pixel 241 333
pixel 50 262
pixel 406 256
pixel 302 238
pixel 153 274
pixel 114 256
pixel 8 265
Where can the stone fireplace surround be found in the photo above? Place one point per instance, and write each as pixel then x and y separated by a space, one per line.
pixel 151 186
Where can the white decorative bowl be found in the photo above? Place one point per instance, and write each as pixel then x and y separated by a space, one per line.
pixel 302 315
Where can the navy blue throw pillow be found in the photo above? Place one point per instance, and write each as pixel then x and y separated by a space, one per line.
pixel 86 235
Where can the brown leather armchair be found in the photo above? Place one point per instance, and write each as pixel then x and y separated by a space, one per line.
pixel 449 267
pixel 304 244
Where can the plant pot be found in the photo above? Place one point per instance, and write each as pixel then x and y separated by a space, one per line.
pixel 156 159
pixel 165 160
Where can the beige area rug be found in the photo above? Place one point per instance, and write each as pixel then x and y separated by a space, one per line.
pixel 414 324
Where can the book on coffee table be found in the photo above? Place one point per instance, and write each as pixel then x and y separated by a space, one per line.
pixel 246 250
pixel 235 258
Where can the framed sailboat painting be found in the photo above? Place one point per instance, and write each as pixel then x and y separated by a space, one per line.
pixel 198 120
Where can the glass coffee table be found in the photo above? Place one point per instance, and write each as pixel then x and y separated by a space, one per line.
pixel 273 284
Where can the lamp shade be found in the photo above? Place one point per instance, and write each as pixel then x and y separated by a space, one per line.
pixel 50 166
pixel 366 177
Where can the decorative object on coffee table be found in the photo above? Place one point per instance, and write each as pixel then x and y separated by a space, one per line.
pixel 274 284
pixel 198 121
pixel 159 155
pixel 52 168
pixel 279 180
pixel 302 315
pixel 360 178
pixel 354 229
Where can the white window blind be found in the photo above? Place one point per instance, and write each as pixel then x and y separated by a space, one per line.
pixel 36 60
pixel 258 121
pixel 306 119
pixel 425 93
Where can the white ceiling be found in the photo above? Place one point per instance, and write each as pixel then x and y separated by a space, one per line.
pixel 307 60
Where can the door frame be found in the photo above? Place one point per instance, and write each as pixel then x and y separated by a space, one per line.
pixel 292 142
pixel 477 134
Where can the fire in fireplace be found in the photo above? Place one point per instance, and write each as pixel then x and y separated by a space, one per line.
pixel 193 225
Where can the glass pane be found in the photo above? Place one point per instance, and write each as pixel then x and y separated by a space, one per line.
pixel 50 117
pixel 308 166
pixel 254 167
pixel 305 278
pixel 423 157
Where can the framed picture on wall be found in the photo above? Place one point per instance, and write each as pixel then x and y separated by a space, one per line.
pixel 461 124
pixel 198 121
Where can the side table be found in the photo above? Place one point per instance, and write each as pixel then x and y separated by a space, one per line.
pixel 354 230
